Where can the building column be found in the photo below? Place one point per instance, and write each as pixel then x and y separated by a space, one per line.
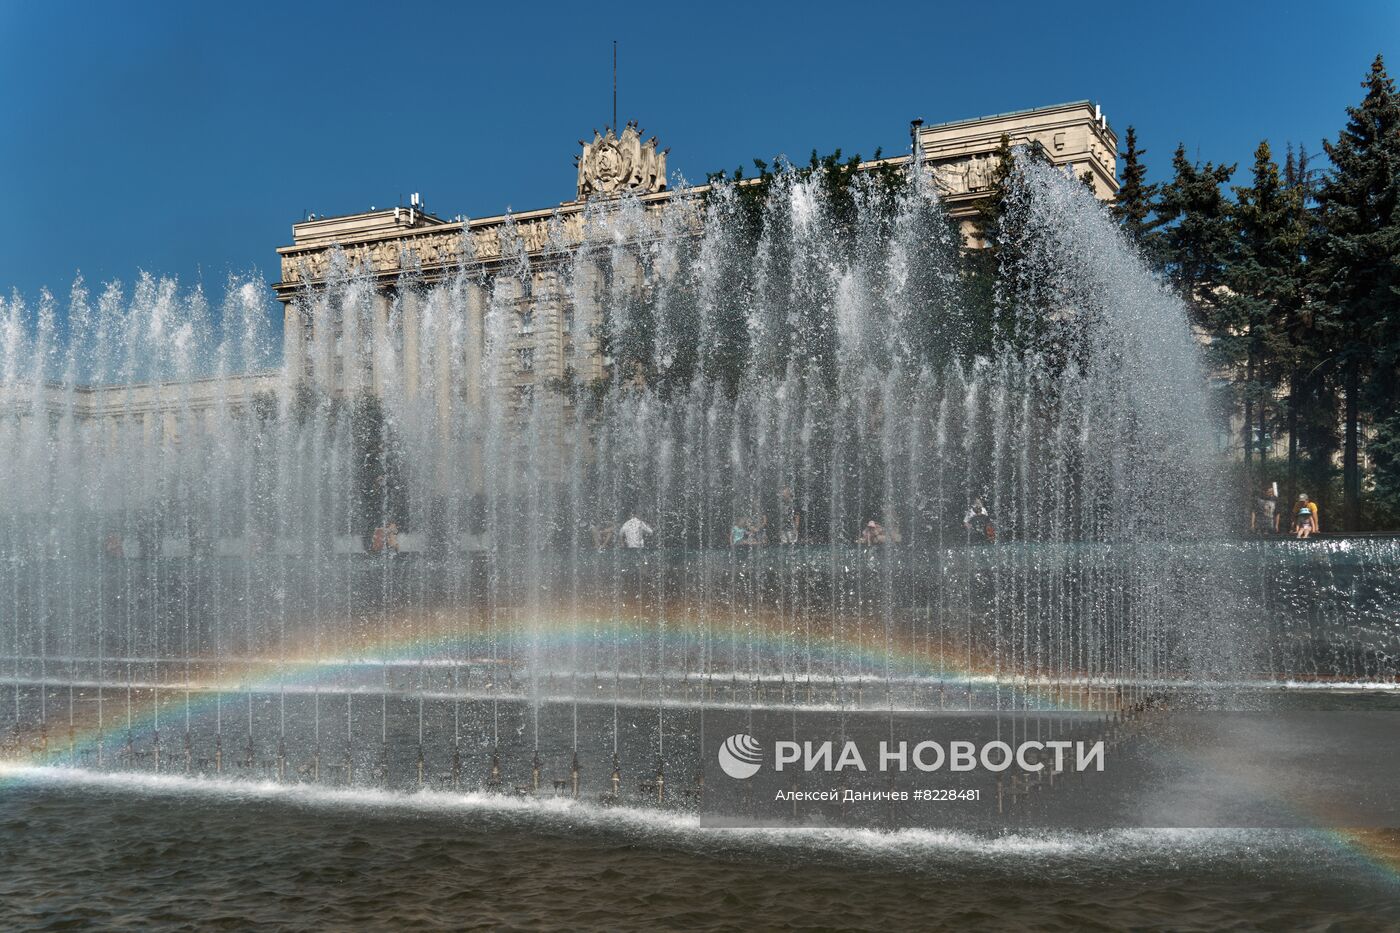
pixel 379 346
pixel 475 363
pixel 439 351
pixel 587 317
pixel 293 342
pixel 409 309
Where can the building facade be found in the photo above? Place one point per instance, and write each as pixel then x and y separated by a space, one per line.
pixel 384 246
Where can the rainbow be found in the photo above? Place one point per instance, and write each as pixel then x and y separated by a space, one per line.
pixel 861 648
pixel 852 650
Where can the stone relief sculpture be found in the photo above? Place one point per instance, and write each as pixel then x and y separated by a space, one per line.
pixel 386 256
pixel 488 244
pixel 979 173
pixel 965 176
pixel 536 235
pixel 448 248
pixel 305 267
pixel 613 165
pixel 435 250
pixel 951 177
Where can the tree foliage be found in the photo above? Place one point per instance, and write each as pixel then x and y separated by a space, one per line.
pixel 1132 205
pixel 1295 283
pixel 1356 278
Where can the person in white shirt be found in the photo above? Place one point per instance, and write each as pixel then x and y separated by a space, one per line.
pixel 633 531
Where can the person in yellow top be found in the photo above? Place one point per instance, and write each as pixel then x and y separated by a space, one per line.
pixel 1305 516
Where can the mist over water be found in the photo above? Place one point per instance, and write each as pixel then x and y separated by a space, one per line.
pixel 412 536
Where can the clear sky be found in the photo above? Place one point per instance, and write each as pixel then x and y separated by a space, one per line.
pixel 185 138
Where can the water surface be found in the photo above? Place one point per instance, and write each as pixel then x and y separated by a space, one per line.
pixel 136 852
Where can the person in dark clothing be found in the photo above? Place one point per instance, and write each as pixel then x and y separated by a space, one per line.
pixel 979 520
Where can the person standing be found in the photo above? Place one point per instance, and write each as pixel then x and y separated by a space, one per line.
pixel 1264 519
pixel 634 532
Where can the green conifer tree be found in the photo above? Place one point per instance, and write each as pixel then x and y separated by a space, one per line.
pixel 1194 235
pixel 1132 205
pixel 1310 411
pixel 1357 280
pixel 1260 289
pixel 1192 240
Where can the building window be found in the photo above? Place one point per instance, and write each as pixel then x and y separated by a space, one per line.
pixel 527 286
pixel 568 320
pixel 525 359
pixel 527 321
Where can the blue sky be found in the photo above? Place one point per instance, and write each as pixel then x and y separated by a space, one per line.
pixel 185 138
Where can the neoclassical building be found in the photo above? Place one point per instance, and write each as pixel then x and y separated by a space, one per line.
pixel 385 245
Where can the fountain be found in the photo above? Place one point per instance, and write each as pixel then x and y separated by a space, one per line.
pixel 413 585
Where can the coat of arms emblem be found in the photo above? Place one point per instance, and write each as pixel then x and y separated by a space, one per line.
pixel 613 165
